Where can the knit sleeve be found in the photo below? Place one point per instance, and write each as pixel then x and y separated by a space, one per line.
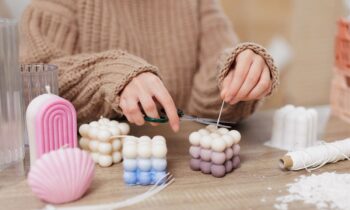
pixel 216 57
pixel 91 81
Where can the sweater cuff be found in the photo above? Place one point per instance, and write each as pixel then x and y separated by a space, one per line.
pixel 229 59
pixel 129 66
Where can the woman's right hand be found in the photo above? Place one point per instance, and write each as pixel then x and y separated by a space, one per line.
pixel 146 89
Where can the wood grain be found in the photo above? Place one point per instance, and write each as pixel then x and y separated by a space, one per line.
pixel 255 185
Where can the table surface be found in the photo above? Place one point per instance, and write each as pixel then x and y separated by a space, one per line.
pixel 255 185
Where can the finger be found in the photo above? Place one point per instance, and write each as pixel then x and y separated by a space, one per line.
pixel 266 92
pixel 261 96
pixel 263 85
pixel 239 75
pixel 226 83
pixel 134 112
pixel 252 78
pixel 149 106
pixel 164 98
pixel 123 106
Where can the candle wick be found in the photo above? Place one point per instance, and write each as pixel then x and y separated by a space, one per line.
pixel 65 146
pixel 48 89
pixel 218 121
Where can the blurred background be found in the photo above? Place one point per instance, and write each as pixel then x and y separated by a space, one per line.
pixel 299 33
pixel 309 28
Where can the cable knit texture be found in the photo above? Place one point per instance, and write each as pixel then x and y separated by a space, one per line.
pixel 100 46
pixel 231 55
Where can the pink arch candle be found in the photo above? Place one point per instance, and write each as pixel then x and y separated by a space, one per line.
pixel 51 124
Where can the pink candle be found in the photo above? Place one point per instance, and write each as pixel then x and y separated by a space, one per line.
pixel 51 124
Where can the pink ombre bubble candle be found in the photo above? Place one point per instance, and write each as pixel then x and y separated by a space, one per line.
pixel 51 124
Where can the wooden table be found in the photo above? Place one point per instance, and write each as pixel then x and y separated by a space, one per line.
pixel 255 185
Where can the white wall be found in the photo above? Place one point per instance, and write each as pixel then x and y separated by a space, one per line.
pixel 12 8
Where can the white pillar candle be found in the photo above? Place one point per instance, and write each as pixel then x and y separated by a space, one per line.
pixel 294 128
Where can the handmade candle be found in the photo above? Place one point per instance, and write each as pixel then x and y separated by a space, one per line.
pixel 61 176
pixel 215 150
pixel 102 139
pixel 51 124
pixel 294 128
pixel 144 160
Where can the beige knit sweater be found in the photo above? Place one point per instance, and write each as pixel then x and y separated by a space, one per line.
pixel 100 46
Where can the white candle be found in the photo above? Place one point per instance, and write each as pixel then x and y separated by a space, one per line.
pixel 102 139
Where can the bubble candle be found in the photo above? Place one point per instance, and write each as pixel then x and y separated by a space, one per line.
pixel 214 150
pixel 102 139
pixel 144 160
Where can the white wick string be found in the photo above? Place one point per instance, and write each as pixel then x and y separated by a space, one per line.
pixel 222 107
pixel 315 157
pixel 48 89
pixel 156 188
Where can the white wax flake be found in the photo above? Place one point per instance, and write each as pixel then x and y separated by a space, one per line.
pixel 325 191
pixel 281 206
pixel 269 188
pixel 263 200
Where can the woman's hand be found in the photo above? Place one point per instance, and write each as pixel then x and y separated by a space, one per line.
pixel 146 89
pixel 248 80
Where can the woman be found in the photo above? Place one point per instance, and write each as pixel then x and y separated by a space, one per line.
pixel 120 57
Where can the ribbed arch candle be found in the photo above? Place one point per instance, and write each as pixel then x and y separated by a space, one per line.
pixel 51 123
pixel 56 126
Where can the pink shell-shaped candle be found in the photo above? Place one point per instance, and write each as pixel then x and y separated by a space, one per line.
pixel 62 176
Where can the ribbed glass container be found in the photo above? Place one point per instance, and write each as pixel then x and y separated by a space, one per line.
pixel 11 109
pixel 35 77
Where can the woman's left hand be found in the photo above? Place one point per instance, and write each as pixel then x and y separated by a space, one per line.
pixel 248 80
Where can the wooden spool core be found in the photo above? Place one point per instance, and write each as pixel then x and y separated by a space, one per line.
pixel 286 162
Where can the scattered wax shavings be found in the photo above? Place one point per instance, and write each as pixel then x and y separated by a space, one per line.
pixel 269 188
pixel 325 191
pixel 282 206
pixel 263 199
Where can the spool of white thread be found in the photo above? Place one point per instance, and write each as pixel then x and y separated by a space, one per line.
pixel 316 156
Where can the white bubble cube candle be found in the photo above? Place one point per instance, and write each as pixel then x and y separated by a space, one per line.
pixel 144 160
pixel 102 139
pixel 214 150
